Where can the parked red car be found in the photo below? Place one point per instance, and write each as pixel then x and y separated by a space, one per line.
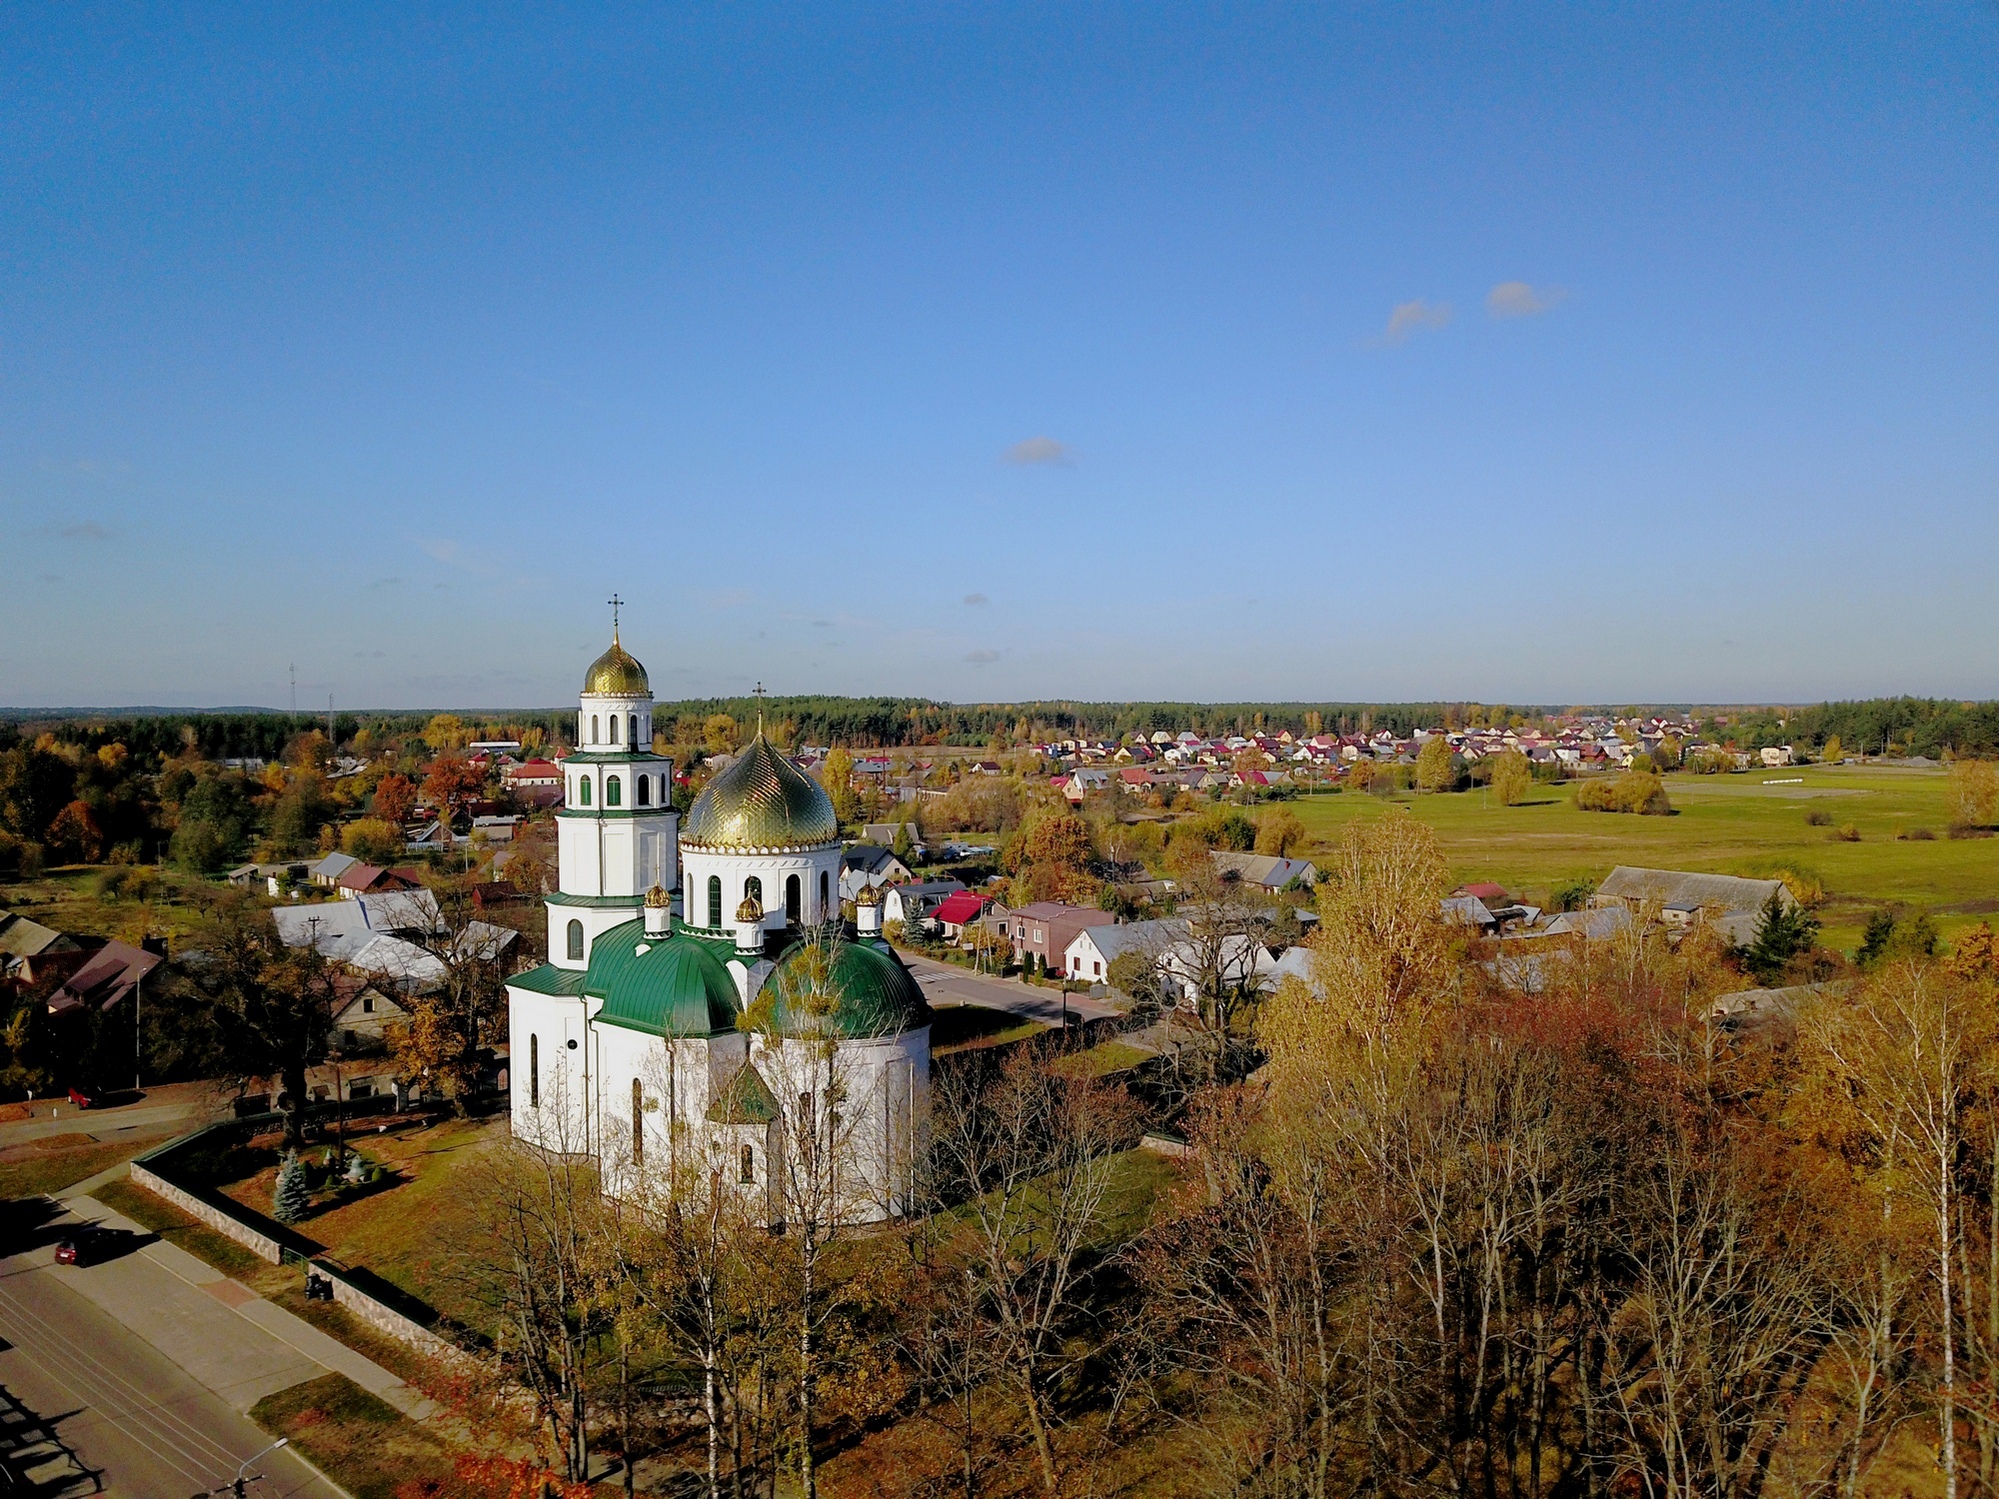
pixel 82 1099
pixel 68 1252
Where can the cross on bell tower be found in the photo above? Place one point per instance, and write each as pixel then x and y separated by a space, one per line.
pixel 757 692
pixel 615 603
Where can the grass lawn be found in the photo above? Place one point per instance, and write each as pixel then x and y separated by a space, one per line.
pixel 57 1162
pixel 66 899
pixel 956 1027
pixel 428 1235
pixel 1103 1059
pixel 1728 824
pixel 364 1444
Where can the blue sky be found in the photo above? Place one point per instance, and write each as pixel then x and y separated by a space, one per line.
pixel 1526 353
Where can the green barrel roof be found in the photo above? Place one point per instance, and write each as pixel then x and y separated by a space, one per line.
pixel 668 986
pixel 851 990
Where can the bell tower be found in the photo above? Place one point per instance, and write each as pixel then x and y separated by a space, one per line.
pixel 617 833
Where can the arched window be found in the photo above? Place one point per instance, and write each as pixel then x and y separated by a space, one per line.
pixel 825 898
pixel 638 1123
pixel 576 941
pixel 534 1072
pixel 645 791
pixel 614 728
pixel 614 792
pixel 793 903
pixel 593 728
pixel 583 790
pixel 753 889
pixel 749 1164
pixel 633 738
pixel 714 900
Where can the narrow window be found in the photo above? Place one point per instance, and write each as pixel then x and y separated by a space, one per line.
pixel 749 1165
pixel 614 792
pixel 594 721
pixel 576 941
pixel 825 905
pixel 753 889
pixel 534 1072
pixel 638 1124
pixel 614 728
pixel 645 791
pixel 583 789
pixel 794 900
pixel 632 738
pixel 714 900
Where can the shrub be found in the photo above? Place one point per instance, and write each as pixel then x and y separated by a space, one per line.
pixel 1847 834
pixel 1916 835
pixel 292 1197
pixel 1818 817
pixel 1573 896
pixel 1635 791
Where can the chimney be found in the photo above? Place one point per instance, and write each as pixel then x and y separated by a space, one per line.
pixel 659 912
pixel 868 911
pixel 750 927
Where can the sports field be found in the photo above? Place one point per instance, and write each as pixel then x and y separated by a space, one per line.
pixel 1728 824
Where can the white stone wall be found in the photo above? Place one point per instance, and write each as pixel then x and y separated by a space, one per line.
pixel 772 869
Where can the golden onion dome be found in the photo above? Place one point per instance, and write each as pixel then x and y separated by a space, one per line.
pixel 750 910
pixel 616 673
pixel 869 895
pixel 761 801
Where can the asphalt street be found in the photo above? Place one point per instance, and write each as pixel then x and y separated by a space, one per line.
pixel 93 1408
pixel 948 984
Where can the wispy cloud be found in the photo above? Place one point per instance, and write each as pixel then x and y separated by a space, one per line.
pixel 976 599
pixel 982 658
pixel 1414 317
pixel 1518 299
pixel 1041 450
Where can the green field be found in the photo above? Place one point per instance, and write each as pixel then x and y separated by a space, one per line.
pixel 1729 824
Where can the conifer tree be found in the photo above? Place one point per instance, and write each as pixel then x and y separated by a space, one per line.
pixel 293 1197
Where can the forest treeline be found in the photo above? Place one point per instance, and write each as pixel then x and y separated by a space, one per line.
pixel 1905 725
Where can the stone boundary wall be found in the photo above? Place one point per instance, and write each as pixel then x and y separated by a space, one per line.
pixel 219 1219
pixel 381 1316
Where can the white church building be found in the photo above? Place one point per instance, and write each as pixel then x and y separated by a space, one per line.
pixel 704 1007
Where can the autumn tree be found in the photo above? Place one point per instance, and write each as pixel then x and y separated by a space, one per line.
pixel 1031 1151
pixel 453 983
pixel 1435 770
pixel 395 799
pixel 1512 778
pixel 1972 793
pixel 1049 859
pixel 452 781
pixel 837 776
pixel 1278 831
pixel 373 840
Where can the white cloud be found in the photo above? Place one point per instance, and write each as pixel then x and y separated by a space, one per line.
pixel 1413 317
pixel 1518 299
pixel 1040 450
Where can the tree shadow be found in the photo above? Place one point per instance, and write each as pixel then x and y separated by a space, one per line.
pixel 31 1443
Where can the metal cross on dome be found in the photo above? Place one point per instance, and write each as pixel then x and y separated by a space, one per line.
pixel 757 692
pixel 614 602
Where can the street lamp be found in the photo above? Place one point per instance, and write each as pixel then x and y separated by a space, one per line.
pixel 239 1486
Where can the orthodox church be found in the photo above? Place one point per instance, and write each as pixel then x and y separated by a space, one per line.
pixel 705 1007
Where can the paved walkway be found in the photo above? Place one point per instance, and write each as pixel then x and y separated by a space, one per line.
pixel 948 984
pixel 219 1330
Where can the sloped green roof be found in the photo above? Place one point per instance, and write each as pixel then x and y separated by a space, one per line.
pixel 548 979
pixel 744 1099
pixel 850 990
pixel 668 986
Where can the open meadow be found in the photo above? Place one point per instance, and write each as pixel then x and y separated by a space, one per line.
pixel 1753 823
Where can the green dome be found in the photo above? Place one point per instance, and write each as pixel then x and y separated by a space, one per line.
pixel 675 986
pixel 871 993
pixel 761 801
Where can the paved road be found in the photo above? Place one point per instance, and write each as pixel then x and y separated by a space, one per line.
pixel 139 1371
pixel 93 1408
pixel 948 984
pixel 106 1124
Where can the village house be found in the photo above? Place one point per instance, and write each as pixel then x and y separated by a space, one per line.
pixel 1045 929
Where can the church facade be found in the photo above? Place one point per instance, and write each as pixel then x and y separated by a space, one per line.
pixel 705 1008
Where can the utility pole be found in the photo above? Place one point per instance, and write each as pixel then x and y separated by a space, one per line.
pixel 294 671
